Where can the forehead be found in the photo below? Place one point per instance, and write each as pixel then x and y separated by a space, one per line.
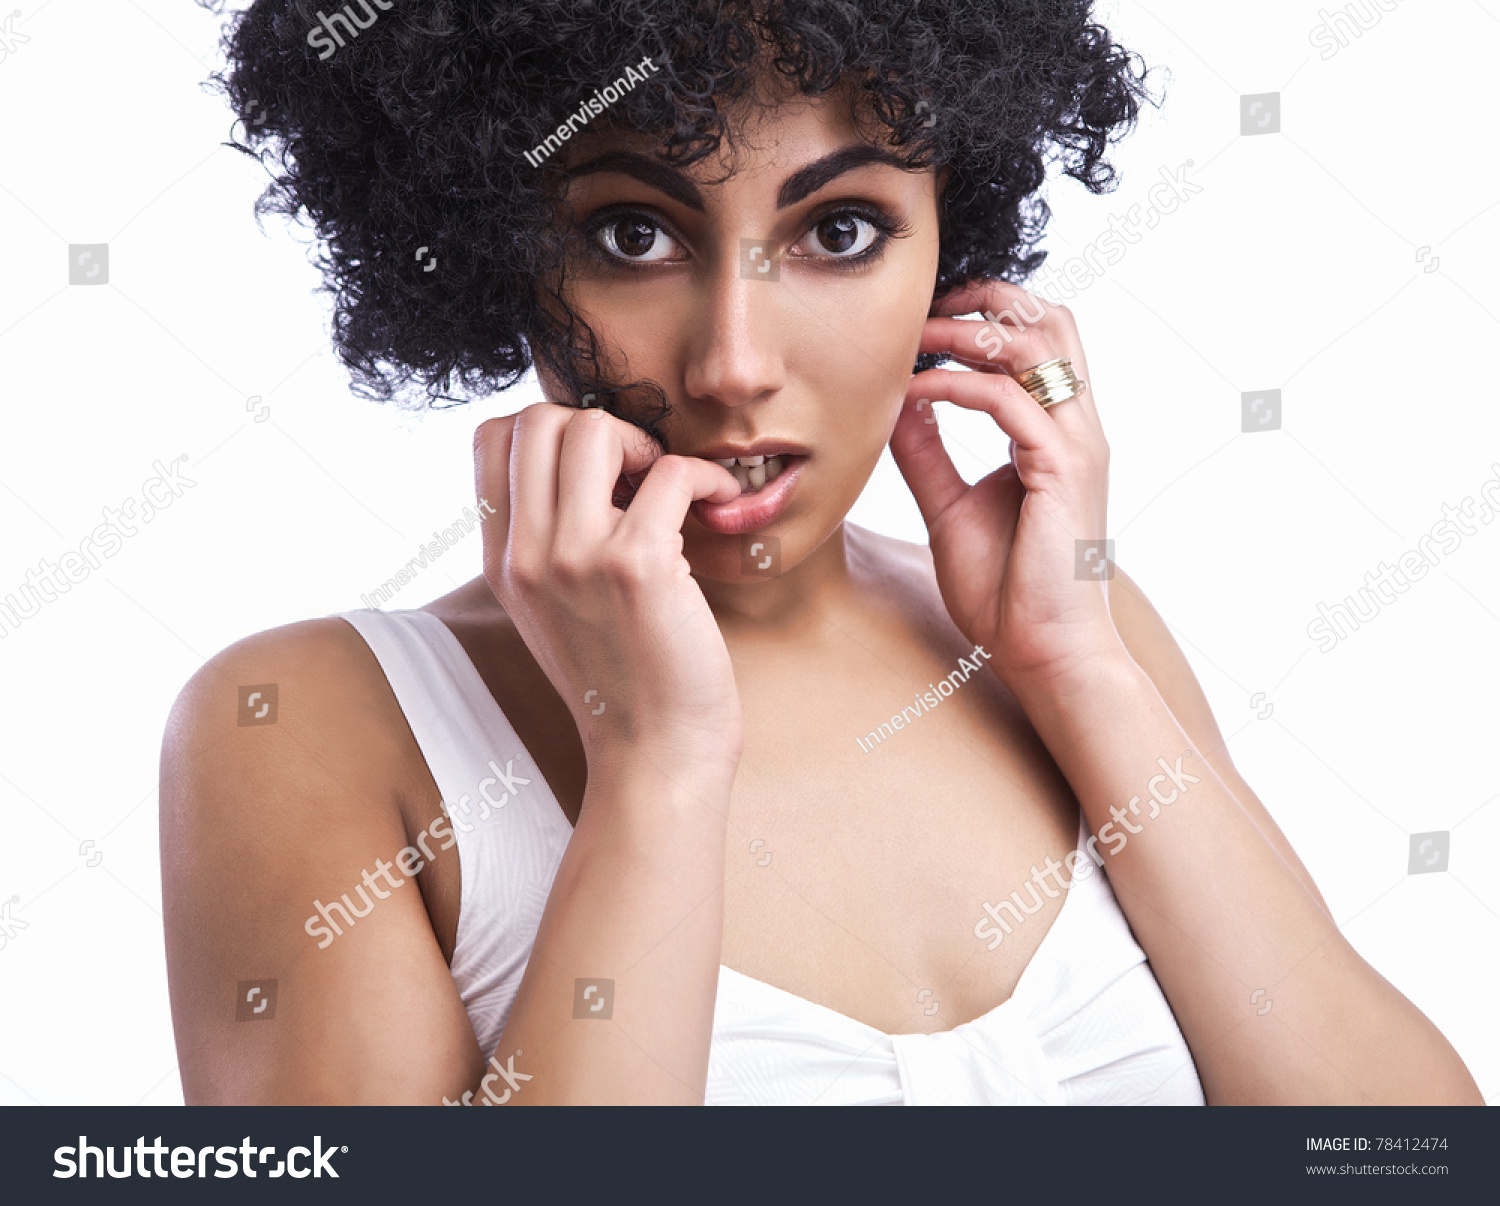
pixel 765 140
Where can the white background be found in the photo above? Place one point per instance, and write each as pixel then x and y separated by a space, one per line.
pixel 1301 266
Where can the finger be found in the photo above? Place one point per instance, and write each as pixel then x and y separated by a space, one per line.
pixel 593 453
pixel 672 485
pixel 975 297
pixel 640 450
pixel 997 346
pixel 917 448
pixel 1012 310
pixel 536 445
pixel 1012 351
pixel 1011 314
pixel 1016 411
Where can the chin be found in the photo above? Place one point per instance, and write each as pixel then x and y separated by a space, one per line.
pixel 750 557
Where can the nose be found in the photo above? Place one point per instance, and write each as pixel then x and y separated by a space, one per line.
pixel 735 353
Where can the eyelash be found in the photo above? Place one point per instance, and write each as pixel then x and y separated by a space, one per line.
pixel 886 227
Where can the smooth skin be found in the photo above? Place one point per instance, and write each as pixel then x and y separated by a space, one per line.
pixel 733 704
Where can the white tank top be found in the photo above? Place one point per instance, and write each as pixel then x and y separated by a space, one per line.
pixel 1086 1025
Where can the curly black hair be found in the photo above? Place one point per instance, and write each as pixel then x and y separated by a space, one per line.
pixel 413 134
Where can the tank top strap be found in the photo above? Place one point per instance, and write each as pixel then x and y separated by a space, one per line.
pixel 496 806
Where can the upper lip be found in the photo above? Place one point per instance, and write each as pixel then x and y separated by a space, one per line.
pixel 763 447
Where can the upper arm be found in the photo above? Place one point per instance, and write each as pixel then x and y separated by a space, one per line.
pixel 258 822
pixel 1150 643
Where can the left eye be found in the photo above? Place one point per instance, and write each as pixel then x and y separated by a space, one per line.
pixel 840 236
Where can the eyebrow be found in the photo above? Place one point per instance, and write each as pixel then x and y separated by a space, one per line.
pixel 809 179
pixel 647 170
pixel 802 183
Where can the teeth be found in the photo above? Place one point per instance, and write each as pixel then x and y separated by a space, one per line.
pixel 753 472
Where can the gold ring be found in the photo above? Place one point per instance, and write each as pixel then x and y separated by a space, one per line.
pixel 1051 382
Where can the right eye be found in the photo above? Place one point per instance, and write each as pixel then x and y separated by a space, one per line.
pixel 636 238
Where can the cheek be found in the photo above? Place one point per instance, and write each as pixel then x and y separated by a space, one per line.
pixel 629 325
pixel 865 354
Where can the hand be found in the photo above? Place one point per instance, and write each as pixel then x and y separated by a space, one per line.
pixel 1004 548
pixel 604 598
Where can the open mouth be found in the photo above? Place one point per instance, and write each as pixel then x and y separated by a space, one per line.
pixel 766 485
pixel 753 472
pixel 767 480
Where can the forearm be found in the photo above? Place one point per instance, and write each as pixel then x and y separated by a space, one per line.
pixel 1223 917
pixel 637 900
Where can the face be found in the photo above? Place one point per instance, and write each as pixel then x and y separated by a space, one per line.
pixel 776 292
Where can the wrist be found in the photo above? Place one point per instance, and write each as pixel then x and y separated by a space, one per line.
pixel 657 810
pixel 624 742
pixel 663 769
pixel 1088 679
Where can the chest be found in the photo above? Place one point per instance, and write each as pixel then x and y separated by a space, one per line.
pixel 889 788
pixel 872 818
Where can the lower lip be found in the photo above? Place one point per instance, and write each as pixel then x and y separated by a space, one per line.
pixel 751 512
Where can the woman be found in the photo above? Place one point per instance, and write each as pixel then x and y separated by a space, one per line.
pixel 650 773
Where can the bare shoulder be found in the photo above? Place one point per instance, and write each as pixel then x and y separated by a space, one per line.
pixel 284 766
pixel 315 657
pixel 309 694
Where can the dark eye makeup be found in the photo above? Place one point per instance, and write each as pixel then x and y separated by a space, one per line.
pixel 844 235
